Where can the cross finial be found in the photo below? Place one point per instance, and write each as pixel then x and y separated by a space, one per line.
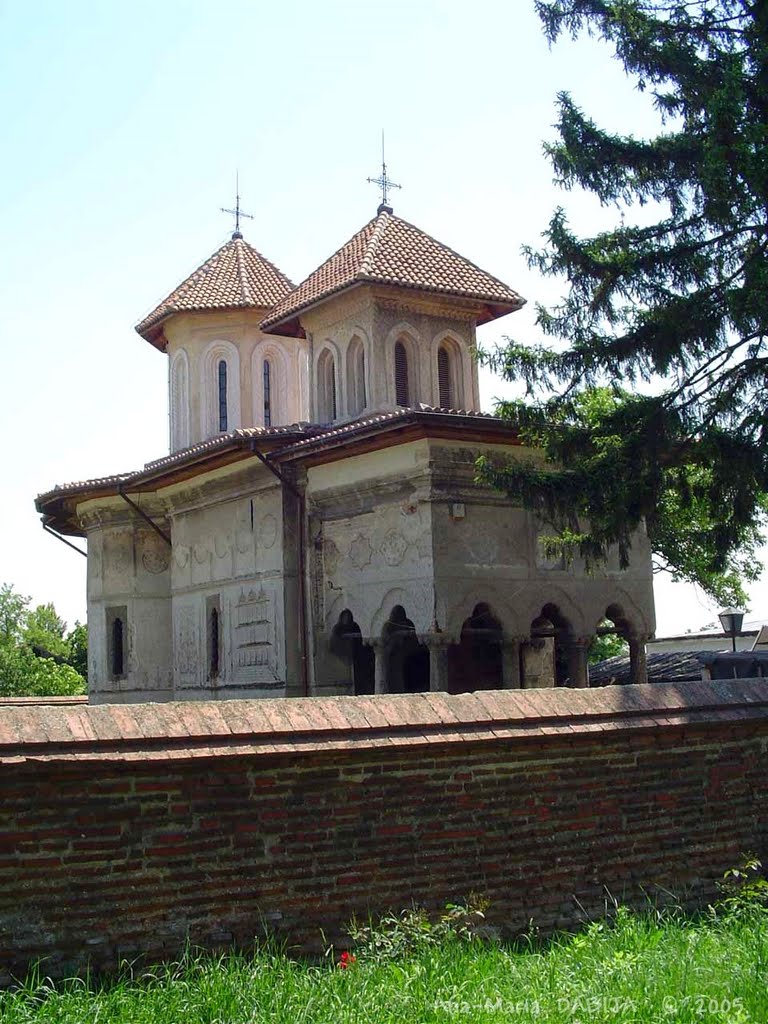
pixel 384 183
pixel 237 213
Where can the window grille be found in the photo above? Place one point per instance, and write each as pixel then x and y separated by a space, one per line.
pixel 222 395
pixel 444 379
pixel 267 394
pixel 401 375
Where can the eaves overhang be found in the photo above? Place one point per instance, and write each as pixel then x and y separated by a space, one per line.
pixel 58 507
pixel 398 427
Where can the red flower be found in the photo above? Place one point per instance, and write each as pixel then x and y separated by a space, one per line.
pixel 346 960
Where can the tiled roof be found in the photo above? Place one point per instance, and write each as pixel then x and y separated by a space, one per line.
pixel 663 667
pixel 235 277
pixel 239 437
pixel 421 413
pixel 391 251
pixel 292 440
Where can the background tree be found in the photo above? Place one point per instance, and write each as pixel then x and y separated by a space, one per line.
pixel 606 645
pixel 36 657
pixel 678 305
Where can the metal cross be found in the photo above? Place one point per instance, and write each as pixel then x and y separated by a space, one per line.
pixel 384 182
pixel 237 213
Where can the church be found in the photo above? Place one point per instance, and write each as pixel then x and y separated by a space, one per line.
pixel 318 527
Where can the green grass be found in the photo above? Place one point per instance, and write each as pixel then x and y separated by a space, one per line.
pixel 639 968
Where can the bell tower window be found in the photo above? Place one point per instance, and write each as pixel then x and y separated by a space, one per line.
pixel 326 387
pixel 267 385
pixel 402 396
pixel 356 399
pixel 222 376
pixel 444 378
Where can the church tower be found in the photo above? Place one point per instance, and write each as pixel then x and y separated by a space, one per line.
pixel 224 372
pixel 390 322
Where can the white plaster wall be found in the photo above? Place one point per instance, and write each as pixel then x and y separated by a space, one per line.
pixel 235 335
pixel 409 525
pixel 129 567
pixel 380 320
pixel 230 550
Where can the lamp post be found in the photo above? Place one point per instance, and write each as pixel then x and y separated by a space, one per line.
pixel 731 620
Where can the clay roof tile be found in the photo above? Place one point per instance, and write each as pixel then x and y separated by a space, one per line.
pixel 390 251
pixel 236 276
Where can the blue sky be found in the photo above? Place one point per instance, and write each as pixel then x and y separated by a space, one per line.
pixel 123 126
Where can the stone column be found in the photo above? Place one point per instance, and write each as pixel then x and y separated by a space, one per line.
pixel 510 662
pixel 437 645
pixel 578 668
pixel 380 682
pixel 638 667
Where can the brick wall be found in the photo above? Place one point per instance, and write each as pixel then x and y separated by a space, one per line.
pixel 126 829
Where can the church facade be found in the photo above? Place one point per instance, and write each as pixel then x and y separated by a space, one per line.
pixel 317 527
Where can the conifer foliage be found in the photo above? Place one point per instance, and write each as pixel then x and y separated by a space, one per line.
pixel 654 407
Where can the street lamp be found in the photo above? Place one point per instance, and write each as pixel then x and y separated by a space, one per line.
pixel 731 620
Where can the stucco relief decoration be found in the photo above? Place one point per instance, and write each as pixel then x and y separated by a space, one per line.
pixel 268 531
pixel 221 545
pixel 244 541
pixel 330 555
pixel 120 555
pixel 186 650
pixel 181 555
pixel 155 556
pixel 360 551
pixel 254 646
pixel 393 547
pixel 201 553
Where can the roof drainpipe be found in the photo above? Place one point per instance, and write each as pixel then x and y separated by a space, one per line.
pixel 300 559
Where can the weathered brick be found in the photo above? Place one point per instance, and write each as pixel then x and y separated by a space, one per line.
pixel 140 854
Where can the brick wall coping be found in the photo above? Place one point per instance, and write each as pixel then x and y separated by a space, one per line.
pixel 26 702
pixel 190 729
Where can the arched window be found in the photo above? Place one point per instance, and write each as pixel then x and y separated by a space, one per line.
pixel 356 377
pixel 267 391
pixel 219 390
pixel 444 378
pixel 222 380
pixel 179 402
pixel 326 387
pixel 402 393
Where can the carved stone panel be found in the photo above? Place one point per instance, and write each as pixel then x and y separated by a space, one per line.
pixel 255 656
pixel 155 554
pixel 393 547
pixel 187 655
pixel 360 551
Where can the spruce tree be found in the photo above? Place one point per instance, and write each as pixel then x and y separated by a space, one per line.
pixel 653 409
